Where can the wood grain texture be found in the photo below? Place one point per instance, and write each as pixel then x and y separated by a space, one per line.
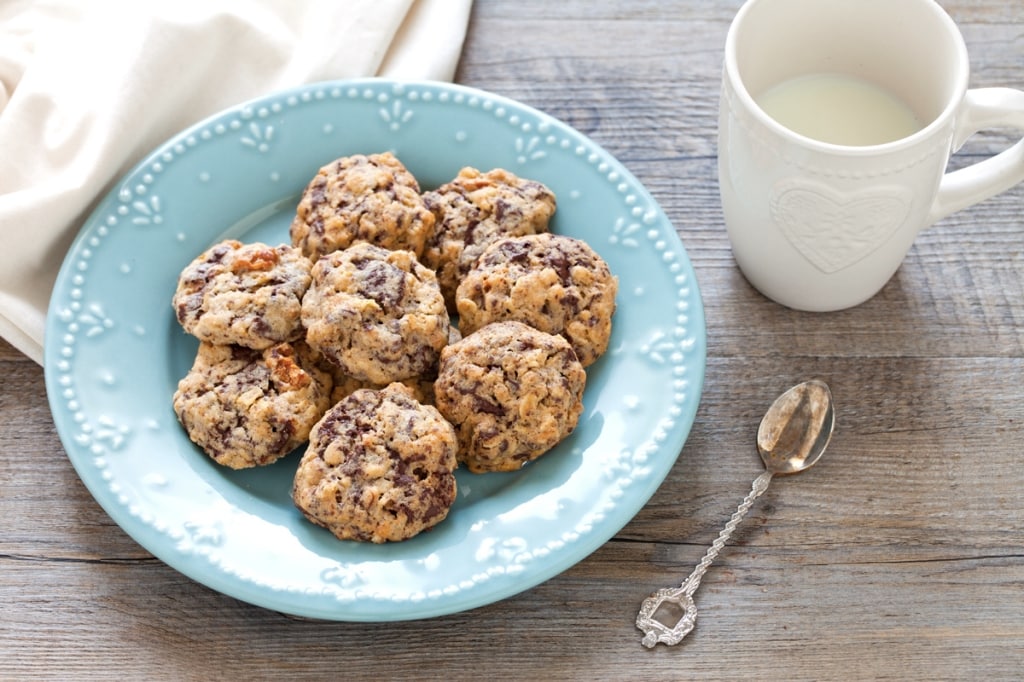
pixel 899 556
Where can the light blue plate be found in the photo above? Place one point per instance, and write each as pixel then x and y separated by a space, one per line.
pixel 114 354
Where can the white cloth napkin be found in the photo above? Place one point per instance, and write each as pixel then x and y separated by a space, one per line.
pixel 88 87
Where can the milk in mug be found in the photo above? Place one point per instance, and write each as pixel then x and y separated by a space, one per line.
pixel 839 109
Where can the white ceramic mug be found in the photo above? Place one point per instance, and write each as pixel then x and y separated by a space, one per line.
pixel 822 226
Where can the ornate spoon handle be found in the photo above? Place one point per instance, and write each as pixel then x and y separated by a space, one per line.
pixel 680 599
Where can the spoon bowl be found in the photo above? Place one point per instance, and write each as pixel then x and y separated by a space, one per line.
pixel 797 428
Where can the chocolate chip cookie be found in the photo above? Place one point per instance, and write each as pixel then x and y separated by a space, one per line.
pixel 555 283
pixel 247 407
pixel 376 314
pixel 473 211
pixel 361 198
pixel 512 392
pixel 244 294
pixel 379 467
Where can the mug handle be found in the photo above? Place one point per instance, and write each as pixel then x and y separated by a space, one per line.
pixel 983 108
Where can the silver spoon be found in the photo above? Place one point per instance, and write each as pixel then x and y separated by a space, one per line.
pixel 792 436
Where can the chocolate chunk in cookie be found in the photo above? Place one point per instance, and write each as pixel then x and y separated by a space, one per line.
pixel 247 407
pixel 512 392
pixel 244 294
pixel 472 212
pixel 361 198
pixel 376 314
pixel 555 283
pixel 379 467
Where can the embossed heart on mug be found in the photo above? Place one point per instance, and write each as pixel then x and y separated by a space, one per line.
pixel 833 229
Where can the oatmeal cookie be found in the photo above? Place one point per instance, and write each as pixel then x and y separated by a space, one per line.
pixel 376 314
pixel 379 467
pixel 361 198
pixel 555 283
pixel 248 407
pixel 244 294
pixel 512 392
pixel 472 212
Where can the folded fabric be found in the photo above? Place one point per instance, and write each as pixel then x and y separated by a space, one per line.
pixel 88 88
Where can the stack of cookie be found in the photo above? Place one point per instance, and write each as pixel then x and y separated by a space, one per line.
pixel 256 388
pixel 346 338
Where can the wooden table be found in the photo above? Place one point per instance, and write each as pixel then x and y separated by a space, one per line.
pixel 900 556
